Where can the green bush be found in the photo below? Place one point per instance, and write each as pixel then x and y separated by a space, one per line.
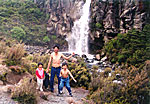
pixel 18 33
pixel 132 47
pixel 23 20
pixel 81 73
pixel 98 25
pixel 46 39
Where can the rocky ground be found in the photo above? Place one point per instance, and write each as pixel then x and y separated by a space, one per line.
pixel 5 96
pixel 79 96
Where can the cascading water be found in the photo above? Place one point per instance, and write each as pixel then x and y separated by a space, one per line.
pixel 78 41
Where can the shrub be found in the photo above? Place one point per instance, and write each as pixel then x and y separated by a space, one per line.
pixel 133 89
pixel 81 73
pixel 98 25
pixel 43 59
pixel 17 69
pixel 3 72
pixel 15 54
pixel 2 47
pixel 131 48
pixel 46 39
pixel 25 92
pixel 18 33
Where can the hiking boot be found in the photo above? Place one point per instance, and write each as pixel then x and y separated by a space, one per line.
pixel 58 94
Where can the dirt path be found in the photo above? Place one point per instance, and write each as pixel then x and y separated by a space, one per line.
pixel 79 95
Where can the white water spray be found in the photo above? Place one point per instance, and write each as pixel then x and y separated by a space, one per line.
pixel 78 41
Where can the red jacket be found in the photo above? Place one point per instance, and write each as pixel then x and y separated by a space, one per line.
pixel 40 73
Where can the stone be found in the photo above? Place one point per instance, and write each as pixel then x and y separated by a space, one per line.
pixel 1 82
pixel 104 58
pixel 97 57
pixel 8 88
pixel 70 100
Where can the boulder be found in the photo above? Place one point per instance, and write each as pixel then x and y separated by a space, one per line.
pixel 8 88
pixel 14 78
pixel 98 57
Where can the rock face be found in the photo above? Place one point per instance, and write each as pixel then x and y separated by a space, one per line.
pixel 62 18
pixel 109 17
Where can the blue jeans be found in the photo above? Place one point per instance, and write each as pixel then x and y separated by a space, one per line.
pixel 53 72
pixel 66 81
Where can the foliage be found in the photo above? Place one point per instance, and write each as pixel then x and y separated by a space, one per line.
pixel 3 72
pixel 98 25
pixel 15 54
pixel 46 39
pixel 131 47
pixel 17 69
pixel 25 92
pixel 23 20
pixel 18 33
pixel 133 88
pixel 81 74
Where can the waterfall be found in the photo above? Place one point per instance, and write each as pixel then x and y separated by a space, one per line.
pixel 78 40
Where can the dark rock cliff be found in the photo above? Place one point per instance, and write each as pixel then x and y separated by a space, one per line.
pixel 109 17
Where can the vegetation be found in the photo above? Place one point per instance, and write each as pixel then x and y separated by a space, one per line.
pixel 23 20
pixel 131 50
pixel 81 73
pixel 25 93
pixel 131 87
pixel 131 47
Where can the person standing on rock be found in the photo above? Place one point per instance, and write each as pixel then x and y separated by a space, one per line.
pixel 64 74
pixel 55 69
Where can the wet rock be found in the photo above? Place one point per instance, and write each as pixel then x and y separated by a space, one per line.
pixel 98 57
pixel 104 58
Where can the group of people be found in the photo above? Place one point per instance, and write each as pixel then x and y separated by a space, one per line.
pixel 62 72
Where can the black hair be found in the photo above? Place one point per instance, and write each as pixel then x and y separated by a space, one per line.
pixel 40 64
pixel 63 64
pixel 56 46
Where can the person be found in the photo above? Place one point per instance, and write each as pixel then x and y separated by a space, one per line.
pixel 40 76
pixel 46 80
pixel 55 69
pixel 64 74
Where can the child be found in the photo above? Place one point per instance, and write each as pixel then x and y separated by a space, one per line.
pixel 64 74
pixel 40 76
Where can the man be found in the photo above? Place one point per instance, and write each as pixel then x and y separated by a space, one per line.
pixel 55 59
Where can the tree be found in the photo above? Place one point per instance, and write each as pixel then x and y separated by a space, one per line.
pixel 18 33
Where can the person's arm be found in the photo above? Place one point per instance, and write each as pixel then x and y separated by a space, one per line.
pixel 60 74
pixel 71 76
pixel 49 63
pixel 67 58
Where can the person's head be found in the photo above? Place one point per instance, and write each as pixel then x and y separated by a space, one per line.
pixel 56 48
pixel 64 65
pixel 40 65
